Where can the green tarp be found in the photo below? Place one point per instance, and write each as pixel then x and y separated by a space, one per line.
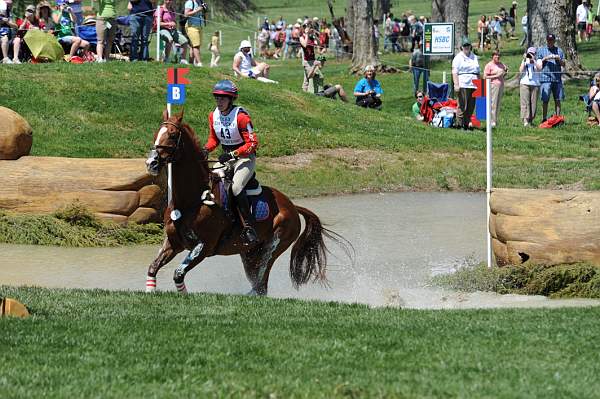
pixel 43 45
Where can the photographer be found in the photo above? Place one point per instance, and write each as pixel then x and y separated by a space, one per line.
pixel 368 91
pixel 6 25
pixel 553 59
pixel 529 85
pixel 194 11
pixel 65 33
pixel 317 82
pixel 309 41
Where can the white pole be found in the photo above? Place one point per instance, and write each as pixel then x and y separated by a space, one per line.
pixel 488 129
pixel 257 22
pixel 158 33
pixel 169 170
pixel 444 77
pixel 220 39
pixel 598 9
pixel 254 46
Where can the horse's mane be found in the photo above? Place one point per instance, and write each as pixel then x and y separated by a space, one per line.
pixel 189 131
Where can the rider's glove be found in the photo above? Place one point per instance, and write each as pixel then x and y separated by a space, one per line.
pixel 226 157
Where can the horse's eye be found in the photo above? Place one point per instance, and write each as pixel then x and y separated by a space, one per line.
pixel 173 136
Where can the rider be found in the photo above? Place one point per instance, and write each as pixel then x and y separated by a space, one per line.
pixel 230 126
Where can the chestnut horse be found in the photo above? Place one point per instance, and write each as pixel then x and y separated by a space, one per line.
pixel 195 219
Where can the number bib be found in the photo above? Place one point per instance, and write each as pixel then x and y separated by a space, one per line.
pixel 226 127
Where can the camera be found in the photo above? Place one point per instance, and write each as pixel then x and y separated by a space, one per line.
pixel 529 56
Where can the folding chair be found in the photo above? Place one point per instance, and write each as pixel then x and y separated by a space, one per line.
pixel 438 91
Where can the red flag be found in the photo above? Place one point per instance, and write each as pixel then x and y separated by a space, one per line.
pixel 176 76
pixel 480 90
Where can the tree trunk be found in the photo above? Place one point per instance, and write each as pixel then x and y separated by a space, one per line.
pixel 556 17
pixel 456 11
pixel 363 43
pixel 381 8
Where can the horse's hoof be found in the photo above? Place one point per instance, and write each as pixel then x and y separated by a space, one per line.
pixel 252 292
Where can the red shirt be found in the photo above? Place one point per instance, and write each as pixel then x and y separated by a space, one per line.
pixel 245 127
pixel 36 24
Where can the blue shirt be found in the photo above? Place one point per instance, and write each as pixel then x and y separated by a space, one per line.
pixel 550 66
pixel 364 86
pixel 196 19
pixel 141 6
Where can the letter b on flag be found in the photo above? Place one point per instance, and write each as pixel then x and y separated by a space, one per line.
pixel 176 94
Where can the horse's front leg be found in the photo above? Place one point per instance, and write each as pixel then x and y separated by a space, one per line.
pixel 195 256
pixel 165 254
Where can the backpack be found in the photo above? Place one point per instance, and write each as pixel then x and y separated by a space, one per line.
pixel 396 27
pixel 553 121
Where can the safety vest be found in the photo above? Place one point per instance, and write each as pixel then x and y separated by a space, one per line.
pixel 226 127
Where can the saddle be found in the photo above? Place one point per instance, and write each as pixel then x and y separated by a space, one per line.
pixel 259 207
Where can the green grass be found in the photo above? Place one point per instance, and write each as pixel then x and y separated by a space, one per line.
pixel 119 344
pixel 560 281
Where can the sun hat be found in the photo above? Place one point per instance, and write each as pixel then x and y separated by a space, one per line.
pixel 531 50
pixel 30 8
pixel 245 44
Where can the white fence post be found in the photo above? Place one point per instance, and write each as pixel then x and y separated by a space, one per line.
pixel 158 33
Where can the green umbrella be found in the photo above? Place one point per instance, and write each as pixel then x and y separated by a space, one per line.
pixel 43 45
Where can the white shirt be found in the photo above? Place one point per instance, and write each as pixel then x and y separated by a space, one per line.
pixel 467 69
pixel 582 13
pixel 531 77
pixel 246 64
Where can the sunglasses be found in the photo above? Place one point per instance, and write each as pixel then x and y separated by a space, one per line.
pixel 419 96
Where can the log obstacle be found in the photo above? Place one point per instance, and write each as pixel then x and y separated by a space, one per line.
pixel 546 227
pixel 114 189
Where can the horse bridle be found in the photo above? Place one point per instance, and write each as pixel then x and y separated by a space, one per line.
pixel 170 149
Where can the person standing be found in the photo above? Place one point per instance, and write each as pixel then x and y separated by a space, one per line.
pixel 309 42
pixel 525 30
pixel 496 71
pixel 512 17
pixel 194 10
pixel 419 66
pixel 106 29
pixel 582 16
pixel 231 127
pixel 140 23
pixel 553 59
pixel 215 50
pixel 529 85
pixel 465 69
pixel 387 32
pixel 7 24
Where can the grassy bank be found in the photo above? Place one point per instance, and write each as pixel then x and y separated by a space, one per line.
pixel 107 344
pixel 560 281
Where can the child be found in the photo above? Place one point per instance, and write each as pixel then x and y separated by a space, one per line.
pixel 214 49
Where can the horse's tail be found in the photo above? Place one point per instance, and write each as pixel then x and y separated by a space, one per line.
pixel 309 253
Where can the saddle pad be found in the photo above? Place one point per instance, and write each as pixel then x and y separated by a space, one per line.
pixel 259 208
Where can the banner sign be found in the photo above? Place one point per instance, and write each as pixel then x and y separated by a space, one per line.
pixel 480 94
pixel 438 38
pixel 176 82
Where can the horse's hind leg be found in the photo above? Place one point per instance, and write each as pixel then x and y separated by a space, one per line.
pixel 165 254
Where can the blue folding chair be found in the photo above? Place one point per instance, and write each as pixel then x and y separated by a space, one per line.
pixel 88 32
pixel 438 91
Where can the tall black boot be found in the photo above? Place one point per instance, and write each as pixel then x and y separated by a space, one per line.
pixel 249 235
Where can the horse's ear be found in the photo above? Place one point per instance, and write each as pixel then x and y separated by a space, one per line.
pixel 179 116
pixel 165 115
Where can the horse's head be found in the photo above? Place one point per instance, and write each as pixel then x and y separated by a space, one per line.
pixel 168 143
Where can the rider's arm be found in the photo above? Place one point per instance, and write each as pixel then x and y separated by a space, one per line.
pixel 247 131
pixel 213 141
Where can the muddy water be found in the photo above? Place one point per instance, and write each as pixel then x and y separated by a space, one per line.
pixel 400 240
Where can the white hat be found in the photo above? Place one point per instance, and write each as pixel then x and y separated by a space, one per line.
pixel 245 44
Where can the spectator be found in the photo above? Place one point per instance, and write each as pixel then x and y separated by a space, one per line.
pixel 44 13
pixel 215 50
pixel 140 23
pixel 525 30
pixel 465 69
pixel 590 21
pixel 279 40
pixel 419 66
pixel 594 95
pixel 105 35
pixel 482 30
pixel 395 36
pixel 309 42
pixel 169 32
pixel 496 71
pixel 30 22
pixel 7 23
pixel 512 18
pixel 416 31
pixel 324 36
pixel 416 107
pixel 582 17
pixel 294 42
pixel 496 29
pixel 263 42
pixel 65 33
pixel 194 10
pixel 368 91
pixel 76 9
pixel 317 82
pixel 529 85
pixel 376 35
pixel 387 32
pixel 244 65
pixel 553 59
pixel 404 26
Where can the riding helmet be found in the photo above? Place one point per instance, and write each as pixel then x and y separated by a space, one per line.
pixel 225 88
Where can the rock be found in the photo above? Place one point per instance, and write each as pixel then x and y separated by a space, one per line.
pixel 114 189
pixel 546 227
pixel 16 135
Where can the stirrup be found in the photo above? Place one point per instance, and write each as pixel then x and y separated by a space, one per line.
pixel 249 235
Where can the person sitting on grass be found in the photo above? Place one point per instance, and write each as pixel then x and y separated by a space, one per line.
pixel 169 32
pixel 245 65
pixel 368 91
pixel 416 108
pixel 316 82
pixel 65 33
pixel 594 95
